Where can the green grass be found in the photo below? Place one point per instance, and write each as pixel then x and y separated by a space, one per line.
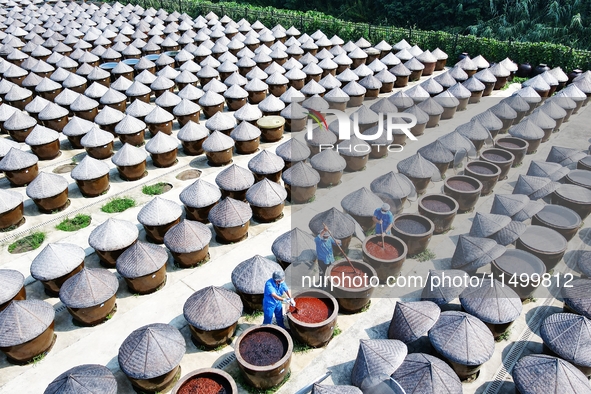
pixel 504 336
pixel 250 317
pixel 7 229
pixel 37 359
pixel 119 204
pixel 529 299
pixel 154 190
pixel 426 255
pixel 25 244
pixel 79 221
pixel 251 390
pixel 366 307
pixel 337 331
pixel 299 347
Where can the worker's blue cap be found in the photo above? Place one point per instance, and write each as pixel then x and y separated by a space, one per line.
pixel 278 275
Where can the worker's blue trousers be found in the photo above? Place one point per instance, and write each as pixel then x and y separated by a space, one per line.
pixel 268 315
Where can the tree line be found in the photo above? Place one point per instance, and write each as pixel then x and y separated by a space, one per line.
pixel 564 22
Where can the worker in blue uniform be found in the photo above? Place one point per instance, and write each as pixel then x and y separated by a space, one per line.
pixel 324 243
pixel 276 293
pixel 383 219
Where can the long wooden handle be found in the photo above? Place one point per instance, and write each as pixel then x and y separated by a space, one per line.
pixel 341 249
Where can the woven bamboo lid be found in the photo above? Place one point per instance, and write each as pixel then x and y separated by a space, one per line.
pixel 200 194
pixel 420 372
pixel 187 236
pixel 158 115
pixel 129 155
pixel 518 206
pixel 9 200
pixel 445 80
pixel 234 178
pixel 97 90
pixel 422 117
pixel 474 252
pixel 462 338
pixel 445 293
pixel 151 351
pixel 293 150
pixel 266 162
pixel 46 185
pixel 266 194
pixel 89 287
pixel 245 131
pixel 460 91
pixel 145 78
pixel 401 100
pixel 113 234
pixel 162 143
pixel 129 125
pixel 509 64
pixel 47 85
pixel 564 156
pixel 53 111
pixel 534 187
pixel 89 168
pixel 65 98
pixel 96 137
pixel 22 321
pixel 392 184
pixel 41 135
pixel 436 152
pixel 340 225
pixel 295 246
pixel 577 297
pixel 350 147
pixel 192 131
pixel 56 260
pixel 376 357
pixel 328 160
pixel 527 130
pixel 17 159
pixel 159 211
pixel 82 103
pixel 141 259
pixel 12 281
pixel 86 377
pixel 540 373
pixel 554 171
pixel 230 213
pixel 109 116
pixel 492 302
pixel 250 276
pixel 362 202
pixel 213 308
pixel 416 166
pixel 541 119
pixel 36 105
pixel 168 99
pixel 567 335
pixel 412 320
pixel 248 112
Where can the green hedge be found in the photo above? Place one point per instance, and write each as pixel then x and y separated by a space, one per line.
pixel 453 44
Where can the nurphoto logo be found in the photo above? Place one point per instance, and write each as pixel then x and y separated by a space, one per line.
pixel 404 122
